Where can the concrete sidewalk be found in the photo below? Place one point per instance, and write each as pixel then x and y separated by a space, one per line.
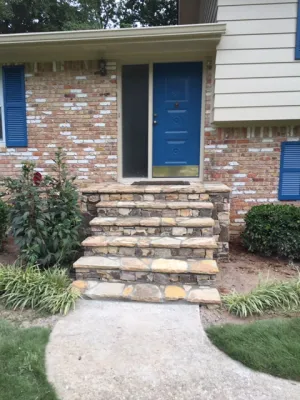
pixel 139 351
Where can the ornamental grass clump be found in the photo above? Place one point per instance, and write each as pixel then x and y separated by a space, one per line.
pixel 50 291
pixel 268 296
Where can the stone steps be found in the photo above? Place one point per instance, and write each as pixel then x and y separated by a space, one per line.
pixel 155 209
pixel 151 246
pixel 154 242
pixel 162 271
pixel 130 226
pixel 144 292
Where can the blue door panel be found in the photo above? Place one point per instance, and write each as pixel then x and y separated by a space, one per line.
pixel 176 112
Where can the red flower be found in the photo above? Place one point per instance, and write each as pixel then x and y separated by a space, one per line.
pixel 37 178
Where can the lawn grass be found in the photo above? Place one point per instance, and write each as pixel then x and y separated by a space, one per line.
pixel 22 363
pixel 270 346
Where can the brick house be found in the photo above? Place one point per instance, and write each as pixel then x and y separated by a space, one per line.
pixel 214 99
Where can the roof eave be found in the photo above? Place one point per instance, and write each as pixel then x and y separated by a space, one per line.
pixel 113 44
pixel 162 32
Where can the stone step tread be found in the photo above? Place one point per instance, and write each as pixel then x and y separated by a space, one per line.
pixel 171 205
pixel 160 265
pixel 151 241
pixel 193 188
pixel 154 222
pixel 145 292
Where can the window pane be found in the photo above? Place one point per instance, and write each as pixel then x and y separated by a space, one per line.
pixel 135 81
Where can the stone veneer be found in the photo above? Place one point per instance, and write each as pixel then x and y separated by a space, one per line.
pixel 145 292
pixel 216 194
pixel 161 271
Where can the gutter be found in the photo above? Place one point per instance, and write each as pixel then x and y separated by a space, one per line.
pixel 162 32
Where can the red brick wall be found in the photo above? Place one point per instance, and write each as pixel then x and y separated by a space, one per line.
pixel 69 105
pixel 247 160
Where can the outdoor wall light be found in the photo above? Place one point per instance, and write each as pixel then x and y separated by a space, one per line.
pixel 102 66
pixel 209 64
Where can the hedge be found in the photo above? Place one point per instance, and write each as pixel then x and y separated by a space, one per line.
pixel 273 230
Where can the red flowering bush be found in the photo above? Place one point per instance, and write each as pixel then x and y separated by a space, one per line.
pixel 45 214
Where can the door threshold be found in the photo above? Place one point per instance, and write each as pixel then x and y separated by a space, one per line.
pixel 156 181
pixel 164 183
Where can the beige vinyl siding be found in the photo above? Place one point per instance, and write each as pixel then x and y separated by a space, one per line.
pixel 256 27
pixel 247 114
pixel 257 71
pixel 240 11
pixel 257 76
pixel 253 100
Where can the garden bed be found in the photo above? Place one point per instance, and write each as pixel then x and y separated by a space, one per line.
pixel 242 273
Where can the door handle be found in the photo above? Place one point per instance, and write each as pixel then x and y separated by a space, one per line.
pixel 154 122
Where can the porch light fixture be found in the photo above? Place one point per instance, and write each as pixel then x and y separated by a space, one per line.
pixel 102 66
pixel 209 64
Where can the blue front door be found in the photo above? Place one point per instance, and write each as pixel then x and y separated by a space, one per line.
pixel 177 92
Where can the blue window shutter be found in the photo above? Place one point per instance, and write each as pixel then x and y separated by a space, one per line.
pixel 289 182
pixel 14 106
pixel 297 56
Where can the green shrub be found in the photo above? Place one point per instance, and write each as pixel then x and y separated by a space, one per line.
pixel 50 290
pixel 266 297
pixel 4 216
pixel 45 214
pixel 273 230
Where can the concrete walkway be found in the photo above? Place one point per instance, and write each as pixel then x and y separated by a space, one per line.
pixel 138 351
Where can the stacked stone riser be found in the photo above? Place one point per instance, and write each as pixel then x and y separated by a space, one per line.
pixel 146 277
pixel 146 213
pixel 155 197
pixel 151 231
pixel 151 252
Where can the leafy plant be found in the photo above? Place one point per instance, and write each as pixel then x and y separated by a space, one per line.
pixel 45 214
pixel 64 215
pixel 49 290
pixel 268 296
pixel 4 216
pixel 273 230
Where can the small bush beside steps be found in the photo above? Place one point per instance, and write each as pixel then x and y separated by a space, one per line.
pixel 273 229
